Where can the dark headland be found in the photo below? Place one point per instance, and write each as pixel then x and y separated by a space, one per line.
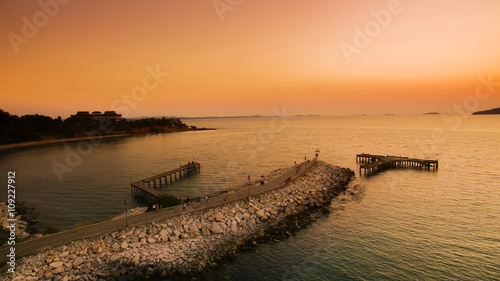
pixel 34 129
pixel 488 112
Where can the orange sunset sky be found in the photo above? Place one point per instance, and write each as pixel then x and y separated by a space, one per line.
pixel 242 57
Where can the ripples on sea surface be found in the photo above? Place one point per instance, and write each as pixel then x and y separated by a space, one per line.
pixel 402 225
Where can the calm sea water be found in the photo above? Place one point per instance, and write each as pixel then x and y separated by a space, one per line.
pixel 403 225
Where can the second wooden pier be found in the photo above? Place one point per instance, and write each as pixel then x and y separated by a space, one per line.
pixel 143 187
pixel 376 163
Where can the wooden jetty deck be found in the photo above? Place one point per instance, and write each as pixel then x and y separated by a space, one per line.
pixel 372 164
pixel 143 187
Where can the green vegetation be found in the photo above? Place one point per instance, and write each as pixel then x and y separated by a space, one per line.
pixel 51 229
pixel 14 129
pixel 165 200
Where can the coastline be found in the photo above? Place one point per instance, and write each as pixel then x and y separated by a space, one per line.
pixel 5 147
pixel 190 246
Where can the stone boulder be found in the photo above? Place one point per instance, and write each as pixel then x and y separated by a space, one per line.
pixel 216 228
pixel 78 261
pixel 194 228
pixel 206 231
pixel 217 217
pixel 56 264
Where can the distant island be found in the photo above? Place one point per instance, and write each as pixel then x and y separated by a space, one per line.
pixel 431 113
pixel 37 129
pixel 489 111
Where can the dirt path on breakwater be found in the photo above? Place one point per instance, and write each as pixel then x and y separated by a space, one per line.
pixel 50 241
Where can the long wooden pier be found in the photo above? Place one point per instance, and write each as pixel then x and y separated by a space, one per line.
pixel 143 187
pixel 373 164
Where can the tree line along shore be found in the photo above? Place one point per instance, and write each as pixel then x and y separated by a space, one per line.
pixel 33 129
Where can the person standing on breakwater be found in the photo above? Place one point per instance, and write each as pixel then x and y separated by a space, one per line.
pixel 206 199
pixel 184 207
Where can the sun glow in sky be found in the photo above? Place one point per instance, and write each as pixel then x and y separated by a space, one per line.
pixel 246 57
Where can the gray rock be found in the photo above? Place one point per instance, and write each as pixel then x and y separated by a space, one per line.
pixel 124 245
pixel 234 228
pixel 206 231
pixel 260 213
pixel 63 254
pixel 115 247
pixel 193 228
pixel 56 264
pixel 217 217
pixel 222 225
pixel 216 228
pixel 114 258
pixel 57 270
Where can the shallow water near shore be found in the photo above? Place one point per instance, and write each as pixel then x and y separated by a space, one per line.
pixel 405 224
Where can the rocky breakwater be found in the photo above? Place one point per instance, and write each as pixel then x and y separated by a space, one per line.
pixel 190 246
pixel 24 219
